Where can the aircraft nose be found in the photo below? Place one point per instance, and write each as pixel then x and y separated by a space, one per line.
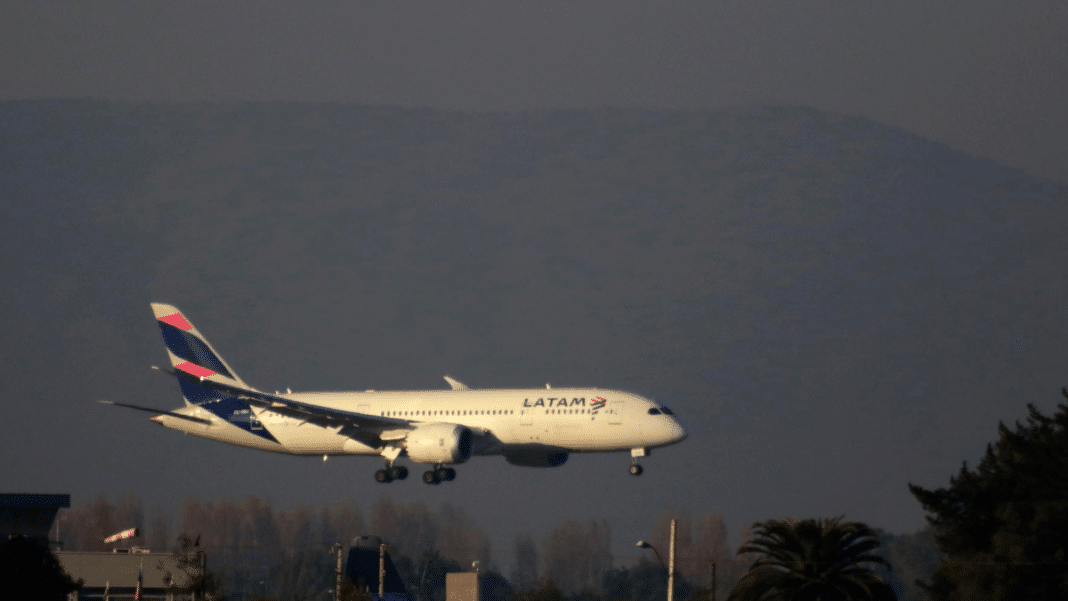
pixel 678 433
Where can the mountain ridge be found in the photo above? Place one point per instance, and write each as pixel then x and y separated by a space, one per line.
pixel 783 277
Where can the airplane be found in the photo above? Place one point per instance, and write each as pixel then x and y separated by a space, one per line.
pixel 440 428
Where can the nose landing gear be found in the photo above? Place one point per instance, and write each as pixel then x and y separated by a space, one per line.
pixel 635 455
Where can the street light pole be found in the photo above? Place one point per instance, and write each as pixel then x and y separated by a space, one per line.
pixel 671 561
pixel 382 572
pixel 671 564
pixel 645 545
pixel 337 572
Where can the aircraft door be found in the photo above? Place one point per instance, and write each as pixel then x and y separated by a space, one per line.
pixel 615 411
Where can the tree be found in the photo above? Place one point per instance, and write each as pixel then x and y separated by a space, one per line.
pixel 1004 526
pixel 29 570
pixel 577 555
pixel 202 584
pixel 913 557
pixel 525 574
pixel 812 560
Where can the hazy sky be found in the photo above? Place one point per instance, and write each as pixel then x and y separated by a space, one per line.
pixel 985 76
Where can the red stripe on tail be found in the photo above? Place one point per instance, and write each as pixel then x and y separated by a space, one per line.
pixel 177 320
pixel 196 370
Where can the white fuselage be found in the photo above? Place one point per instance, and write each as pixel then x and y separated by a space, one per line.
pixel 567 419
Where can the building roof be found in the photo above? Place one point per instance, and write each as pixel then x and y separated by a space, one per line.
pixel 29 514
pixel 120 569
pixel 33 501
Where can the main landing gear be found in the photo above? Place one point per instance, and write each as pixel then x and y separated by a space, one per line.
pixel 396 472
pixel 439 474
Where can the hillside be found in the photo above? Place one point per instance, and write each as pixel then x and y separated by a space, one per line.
pixel 834 306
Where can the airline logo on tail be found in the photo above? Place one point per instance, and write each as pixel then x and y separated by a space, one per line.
pixel 188 349
pixel 190 353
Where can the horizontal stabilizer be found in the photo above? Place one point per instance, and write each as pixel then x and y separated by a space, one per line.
pixel 159 412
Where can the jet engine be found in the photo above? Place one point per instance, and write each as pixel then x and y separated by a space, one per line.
pixel 536 458
pixel 439 443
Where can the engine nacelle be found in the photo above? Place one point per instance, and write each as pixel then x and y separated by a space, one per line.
pixel 536 458
pixel 439 443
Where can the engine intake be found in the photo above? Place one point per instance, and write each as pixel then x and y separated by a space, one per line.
pixel 439 443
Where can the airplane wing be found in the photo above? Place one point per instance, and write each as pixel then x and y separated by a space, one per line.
pixel 371 430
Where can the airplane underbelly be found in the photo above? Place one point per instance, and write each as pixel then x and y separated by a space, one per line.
pixel 229 433
pixel 309 439
pixel 587 435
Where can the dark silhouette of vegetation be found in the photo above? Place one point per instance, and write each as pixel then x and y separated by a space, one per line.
pixel 259 552
pixel 912 557
pixel 1004 526
pixel 548 592
pixel 645 582
pixel 577 554
pixel 29 570
pixel 812 560
pixel 201 583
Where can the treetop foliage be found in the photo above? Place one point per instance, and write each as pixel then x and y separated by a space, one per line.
pixel 812 559
pixel 1004 525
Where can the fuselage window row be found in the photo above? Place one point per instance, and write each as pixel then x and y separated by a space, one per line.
pixel 457 413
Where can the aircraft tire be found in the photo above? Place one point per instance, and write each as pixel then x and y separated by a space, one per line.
pixel 442 474
pixel 450 474
pixel 636 470
pixel 431 477
pixel 383 476
pixel 398 472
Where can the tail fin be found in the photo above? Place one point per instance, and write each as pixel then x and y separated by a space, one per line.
pixel 189 351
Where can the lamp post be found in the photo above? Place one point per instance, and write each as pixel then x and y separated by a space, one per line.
pixel 645 545
pixel 671 561
pixel 337 573
pixel 381 571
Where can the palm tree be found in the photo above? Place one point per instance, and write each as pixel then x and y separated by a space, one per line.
pixel 812 560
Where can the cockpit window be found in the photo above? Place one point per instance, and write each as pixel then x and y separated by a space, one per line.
pixel 654 411
pixel 666 411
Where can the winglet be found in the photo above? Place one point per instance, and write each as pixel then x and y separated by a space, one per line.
pixel 456 384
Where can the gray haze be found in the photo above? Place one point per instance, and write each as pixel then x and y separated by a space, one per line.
pixel 986 76
pixel 834 307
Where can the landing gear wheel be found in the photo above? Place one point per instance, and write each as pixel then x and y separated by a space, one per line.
pixel 442 474
pixel 636 470
pixel 431 477
pixel 398 472
pixel 383 476
pixel 450 474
